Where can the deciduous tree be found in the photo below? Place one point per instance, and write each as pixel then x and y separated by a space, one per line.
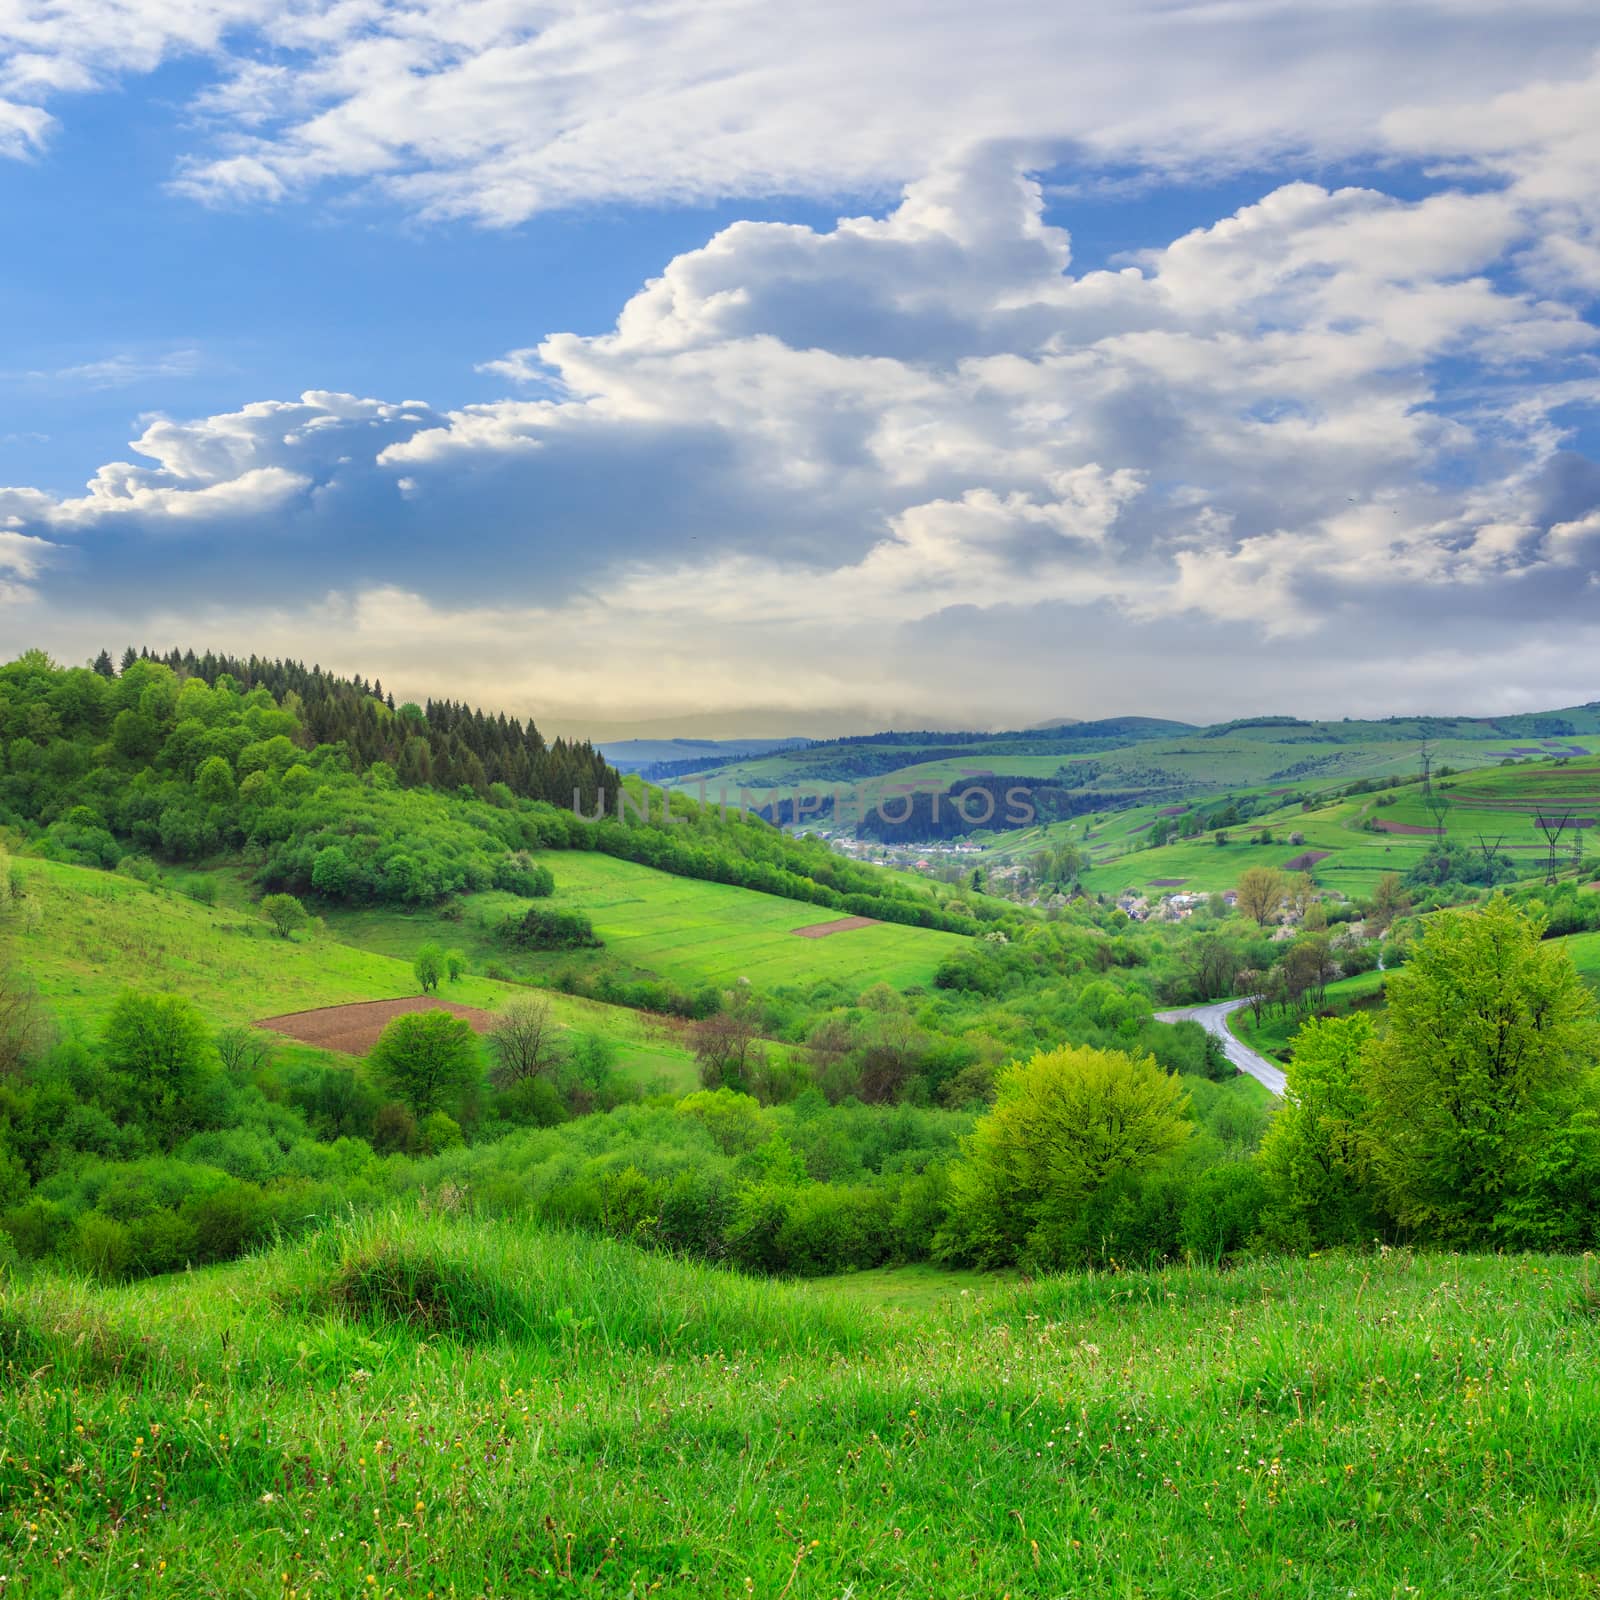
pixel 428 965
pixel 1389 900
pixel 727 1043
pixel 428 1059
pixel 1488 1055
pixel 1313 1156
pixel 157 1047
pixel 526 1043
pixel 285 913
pixel 1261 894
pixel 1064 1123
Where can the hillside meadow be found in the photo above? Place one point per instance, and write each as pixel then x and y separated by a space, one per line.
pixel 416 1406
pixel 85 935
pixel 1358 837
pixel 683 930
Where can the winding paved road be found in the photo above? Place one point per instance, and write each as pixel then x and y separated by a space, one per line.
pixel 1214 1019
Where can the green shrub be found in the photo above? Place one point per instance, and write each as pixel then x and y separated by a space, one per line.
pixel 547 928
pixel 1222 1211
pixel 101 1246
pixel 519 873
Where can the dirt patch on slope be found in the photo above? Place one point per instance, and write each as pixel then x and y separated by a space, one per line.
pixel 1306 861
pixel 1164 883
pixel 1384 826
pixel 821 930
pixel 354 1029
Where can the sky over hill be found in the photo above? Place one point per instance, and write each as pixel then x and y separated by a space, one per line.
pixel 862 364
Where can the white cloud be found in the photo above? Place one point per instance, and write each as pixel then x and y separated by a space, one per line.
pixel 225 468
pixel 918 452
pixel 496 109
pixel 120 370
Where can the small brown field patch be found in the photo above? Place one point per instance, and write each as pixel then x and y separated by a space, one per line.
pixel 353 1029
pixel 1306 860
pixel 1164 883
pixel 821 930
pixel 1385 826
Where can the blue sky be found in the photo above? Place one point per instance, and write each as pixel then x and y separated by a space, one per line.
pixel 1161 356
pixel 255 302
pixel 269 302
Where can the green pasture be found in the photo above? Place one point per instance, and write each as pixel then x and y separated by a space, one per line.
pixel 83 936
pixel 1494 803
pixel 415 1406
pixel 690 932
pixel 1585 951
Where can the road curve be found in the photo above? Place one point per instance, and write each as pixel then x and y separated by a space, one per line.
pixel 1214 1019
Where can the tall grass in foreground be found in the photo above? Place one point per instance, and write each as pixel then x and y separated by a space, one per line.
pixel 416 1405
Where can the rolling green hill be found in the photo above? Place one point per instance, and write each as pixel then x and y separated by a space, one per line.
pixel 657 925
pixel 85 936
pixel 1357 838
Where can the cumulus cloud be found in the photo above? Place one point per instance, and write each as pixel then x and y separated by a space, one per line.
pixel 919 452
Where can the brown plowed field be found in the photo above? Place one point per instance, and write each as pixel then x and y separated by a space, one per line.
pixel 354 1029
pixel 1401 827
pixel 821 930
pixel 1306 861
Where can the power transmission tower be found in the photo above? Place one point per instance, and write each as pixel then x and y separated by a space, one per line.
pixel 1438 804
pixel 1490 852
pixel 1552 828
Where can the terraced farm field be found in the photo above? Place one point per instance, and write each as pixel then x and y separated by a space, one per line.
pixel 1228 758
pixel 1499 803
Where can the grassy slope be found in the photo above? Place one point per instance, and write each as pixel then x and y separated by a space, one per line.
pixel 1585 952
pixel 564 1416
pixel 1497 802
pixel 87 935
pixel 680 929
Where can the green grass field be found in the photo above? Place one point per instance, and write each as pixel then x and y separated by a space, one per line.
pixel 433 1407
pixel 1494 802
pixel 87 935
pixel 694 932
pixel 680 929
pixel 1585 951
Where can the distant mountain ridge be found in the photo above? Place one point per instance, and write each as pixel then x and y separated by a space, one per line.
pixel 642 755
pixel 1109 764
